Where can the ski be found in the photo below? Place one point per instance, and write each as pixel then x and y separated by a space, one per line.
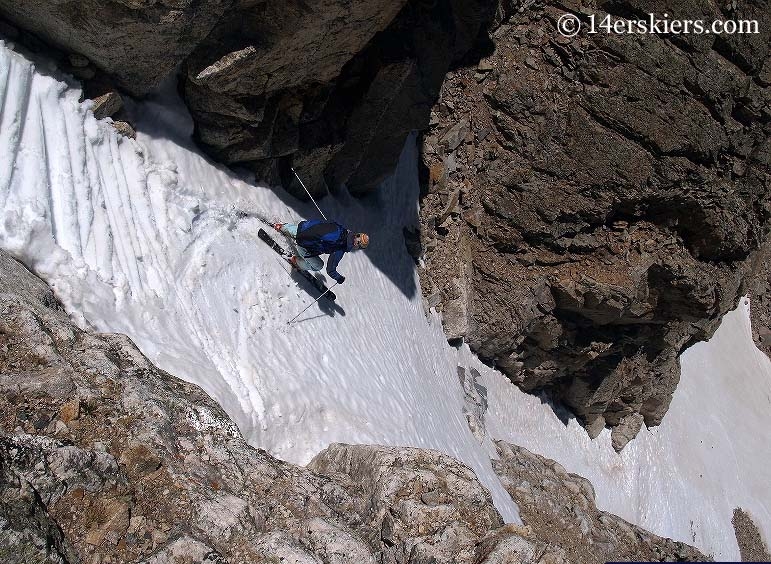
pixel 318 284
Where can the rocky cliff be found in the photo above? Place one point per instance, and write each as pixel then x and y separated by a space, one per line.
pixel 330 87
pixel 105 458
pixel 137 42
pixel 594 205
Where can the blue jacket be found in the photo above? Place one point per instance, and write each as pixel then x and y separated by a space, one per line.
pixel 319 237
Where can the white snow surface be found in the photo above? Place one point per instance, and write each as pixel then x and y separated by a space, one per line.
pixel 141 237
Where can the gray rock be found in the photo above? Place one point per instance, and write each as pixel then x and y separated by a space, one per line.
pixel 185 549
pixel 455 135
pixel 394 480
pixel 282 547
pixel 107 105
pixel 517 545
pixel 558 510
pixel 334 544
pixel 626 430
pixel 125 129
pixel 137 42
pixel 595 426
pixel 593 255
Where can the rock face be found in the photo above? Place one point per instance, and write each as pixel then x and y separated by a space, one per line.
pixel 252 88
pixel 422 504
pixel 139 42
pixel 332 88
pixel 559 508
pixel 594 205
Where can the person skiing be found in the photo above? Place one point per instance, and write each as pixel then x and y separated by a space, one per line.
pixel 314 237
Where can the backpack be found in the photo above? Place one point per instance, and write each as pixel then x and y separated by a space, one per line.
pixel 321 237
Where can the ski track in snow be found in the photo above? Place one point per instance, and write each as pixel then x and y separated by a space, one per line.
pixel 142 238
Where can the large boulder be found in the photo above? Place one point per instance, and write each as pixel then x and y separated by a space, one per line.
pixel 421 502
pixel 594 205
pixel 138 42
pixel 331 87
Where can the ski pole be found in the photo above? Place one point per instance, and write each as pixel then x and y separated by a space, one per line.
pixel 309 194
pixel 309 305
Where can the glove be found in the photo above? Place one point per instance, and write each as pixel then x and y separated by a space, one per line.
pixel 340 278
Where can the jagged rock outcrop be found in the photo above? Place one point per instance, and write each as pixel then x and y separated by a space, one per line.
pixel 252 88
pixel 559 508
pixel 594 205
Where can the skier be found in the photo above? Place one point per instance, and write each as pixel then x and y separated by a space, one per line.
pixel 314 237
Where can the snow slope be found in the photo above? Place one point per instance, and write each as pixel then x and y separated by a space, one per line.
pixel 141 237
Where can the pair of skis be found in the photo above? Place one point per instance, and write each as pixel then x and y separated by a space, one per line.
pixel 286 255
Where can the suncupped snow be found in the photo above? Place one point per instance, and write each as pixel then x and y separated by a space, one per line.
pixel 147 238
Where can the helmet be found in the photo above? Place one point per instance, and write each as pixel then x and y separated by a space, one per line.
pixel 363 239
